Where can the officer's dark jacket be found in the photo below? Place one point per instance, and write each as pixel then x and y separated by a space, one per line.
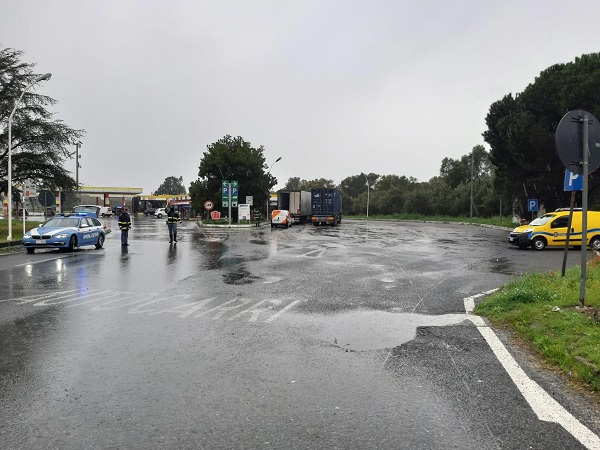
pixel 172 217
pixel 124 221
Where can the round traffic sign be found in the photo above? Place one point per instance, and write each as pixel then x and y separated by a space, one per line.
pixel 46 198
pixel 569 141
pixel 208 205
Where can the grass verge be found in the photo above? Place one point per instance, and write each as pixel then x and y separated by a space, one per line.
pixel 543 310
pixel 17 228
pixel 504 221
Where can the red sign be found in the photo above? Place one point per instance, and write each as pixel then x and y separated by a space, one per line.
pixel 208 205
pixel 214 215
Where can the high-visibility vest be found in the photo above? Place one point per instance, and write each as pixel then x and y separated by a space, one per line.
pixel 172 217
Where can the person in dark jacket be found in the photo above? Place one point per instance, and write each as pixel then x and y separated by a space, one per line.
pixel 172 219
pixel 124 226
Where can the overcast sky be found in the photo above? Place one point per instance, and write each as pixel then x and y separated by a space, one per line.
pixel 333 87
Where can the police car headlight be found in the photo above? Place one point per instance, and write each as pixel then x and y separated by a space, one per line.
pixel 60 236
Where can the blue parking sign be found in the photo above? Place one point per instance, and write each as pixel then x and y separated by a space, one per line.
pixel 532 204
pixel 573 181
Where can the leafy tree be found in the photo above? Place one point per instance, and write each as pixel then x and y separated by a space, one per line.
pixel 521 131
pixel 199 193
pixel 297 184
pixel 357 184
pixel 172 186
pixel 39 144
pixel 233 159
pixel 390 194
pixel 319 183
pixel 294 184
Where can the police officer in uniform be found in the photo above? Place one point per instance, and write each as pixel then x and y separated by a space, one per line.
pixel 124 226
pixel 172 219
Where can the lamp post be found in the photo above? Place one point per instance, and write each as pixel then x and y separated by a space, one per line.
pixel 269 193
pixel 46 76
pixel 471 210
pixel 77 166
pixel 368 187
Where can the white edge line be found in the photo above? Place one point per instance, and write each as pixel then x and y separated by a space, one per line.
pixel 542 404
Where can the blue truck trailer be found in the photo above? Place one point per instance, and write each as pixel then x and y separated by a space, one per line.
pixel 326 206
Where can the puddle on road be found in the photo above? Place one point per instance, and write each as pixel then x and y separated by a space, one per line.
pixel 502 266
pixel 240 277
pixel 376 330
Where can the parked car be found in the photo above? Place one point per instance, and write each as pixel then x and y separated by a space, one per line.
pixel 149 211
pixel 100 211
pixel 160 212
pixel 281 218
pixel 66 231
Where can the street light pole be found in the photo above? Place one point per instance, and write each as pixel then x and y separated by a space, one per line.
pixel 471 210
pixel 368 188
pixel 77 166
pixel 46 76
pixel 268 192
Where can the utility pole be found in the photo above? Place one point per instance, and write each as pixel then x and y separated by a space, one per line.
pixel 472 153
pixel 77 166
pixel 368 188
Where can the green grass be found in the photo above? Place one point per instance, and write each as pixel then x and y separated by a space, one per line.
pixel 17 227
pixel 543 310
pixel 506 221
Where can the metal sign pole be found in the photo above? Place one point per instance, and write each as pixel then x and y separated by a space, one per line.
pixel 564 264
pixel 229 204
pixel 584 206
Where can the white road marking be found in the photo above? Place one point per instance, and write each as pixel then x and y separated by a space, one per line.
pixel 33 298
pixel 542 404
pixel 41 261
pixel 280 312
pixel 317 253
pixel 139 304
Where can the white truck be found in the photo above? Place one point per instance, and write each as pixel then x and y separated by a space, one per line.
pixel 296 202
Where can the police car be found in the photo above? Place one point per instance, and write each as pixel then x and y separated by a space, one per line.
pixel 66 231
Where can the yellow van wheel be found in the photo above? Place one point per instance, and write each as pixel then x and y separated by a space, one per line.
pixel 595 243
pixel 539 243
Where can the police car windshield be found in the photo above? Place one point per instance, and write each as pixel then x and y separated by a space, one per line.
pixel 84 208
pixel 62 222
pixel 542 220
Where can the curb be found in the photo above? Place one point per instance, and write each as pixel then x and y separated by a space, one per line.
pixel 10 244
pixel 205 225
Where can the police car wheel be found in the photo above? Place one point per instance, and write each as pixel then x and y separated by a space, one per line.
pixel 539 244
pixel 72 243
pixel 100 242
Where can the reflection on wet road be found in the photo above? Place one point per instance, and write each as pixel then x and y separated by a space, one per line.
pixel 308 337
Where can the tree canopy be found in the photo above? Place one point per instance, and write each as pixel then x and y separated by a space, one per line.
pixel 521 130
pixel 231 159
pixel 172 186
pixel 297 184
pixel 39 144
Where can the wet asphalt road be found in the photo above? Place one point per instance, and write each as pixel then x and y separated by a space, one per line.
pixel 351 337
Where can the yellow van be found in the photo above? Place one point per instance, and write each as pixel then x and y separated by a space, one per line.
pixel 551 230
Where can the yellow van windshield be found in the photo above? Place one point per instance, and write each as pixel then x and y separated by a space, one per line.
pixel 542 220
